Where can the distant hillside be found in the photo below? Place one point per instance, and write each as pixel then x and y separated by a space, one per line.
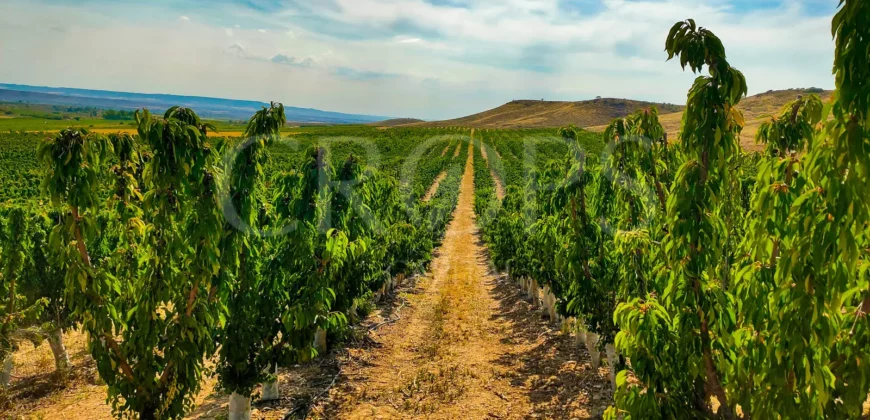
pixel 395 122
pixel 541 114
pixel 215 108
pixel 755 109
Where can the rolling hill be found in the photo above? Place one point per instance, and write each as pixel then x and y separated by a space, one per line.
pixel 395 122
pixel 541 114
pixel 215 108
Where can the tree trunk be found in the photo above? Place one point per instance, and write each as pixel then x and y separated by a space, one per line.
pixel 240 407
pixel 6 371
pixel 61 357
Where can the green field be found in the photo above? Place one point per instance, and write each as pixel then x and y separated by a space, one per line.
pixel 51 118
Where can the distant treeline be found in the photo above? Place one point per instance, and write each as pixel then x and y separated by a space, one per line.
pixel 111 114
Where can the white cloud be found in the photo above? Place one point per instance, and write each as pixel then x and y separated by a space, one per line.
pixel 235 50
pixel 481 55
pixel 294 61
pixel 184 18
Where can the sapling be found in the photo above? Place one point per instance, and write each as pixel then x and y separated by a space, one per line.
pixel 251 336
pixel 673 339
pixel 149 326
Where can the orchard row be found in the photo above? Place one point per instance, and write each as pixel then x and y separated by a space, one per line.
pixel 722 284
pixel 170 248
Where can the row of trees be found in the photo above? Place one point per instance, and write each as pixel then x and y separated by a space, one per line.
pixel 197 253
pixel 733 285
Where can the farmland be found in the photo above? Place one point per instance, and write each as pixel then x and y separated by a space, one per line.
pixel 451 271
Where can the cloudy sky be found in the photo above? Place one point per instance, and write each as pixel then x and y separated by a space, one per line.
pixel 429 59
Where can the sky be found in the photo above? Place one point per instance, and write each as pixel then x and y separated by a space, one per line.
pixel 429 59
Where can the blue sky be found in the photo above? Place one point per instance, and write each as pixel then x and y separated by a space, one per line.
pixel 406 58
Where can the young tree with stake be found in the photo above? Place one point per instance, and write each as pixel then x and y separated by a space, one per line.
pixel 252 331
pixel 675 341
pixel 150 329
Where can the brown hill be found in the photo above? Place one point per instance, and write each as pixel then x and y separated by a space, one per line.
pixel 541 114
pixel 395 122
pixel 756 109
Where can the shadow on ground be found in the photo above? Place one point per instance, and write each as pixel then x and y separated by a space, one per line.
pixel 556 374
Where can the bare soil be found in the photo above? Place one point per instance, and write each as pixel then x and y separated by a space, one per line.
pixel 444 152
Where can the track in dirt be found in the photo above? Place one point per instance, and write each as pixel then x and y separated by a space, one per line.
pixel 499 186
pixel 467 346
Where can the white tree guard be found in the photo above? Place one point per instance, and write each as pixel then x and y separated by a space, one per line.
pixel 545 304
pixel 612 360
pixel 6 372
pixel 533 292
pixel 61 357
pixel 240 407
pixel 551 306
pixel 592 348
pixel 270 389
pixel 320 340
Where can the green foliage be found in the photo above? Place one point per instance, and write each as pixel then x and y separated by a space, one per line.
pixel 161 252
pixel 113 115
pixel 15 310
pixel 717 274
pixel 254 301
pixel 44 274
pixel 807 261
pixel 792 131
pixel 694 293
pixel 19 171
pixel 149 325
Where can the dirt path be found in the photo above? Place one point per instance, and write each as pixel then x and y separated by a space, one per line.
pixel 467 346
pixel 499 186
pixel 444 152
pixel 434 187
